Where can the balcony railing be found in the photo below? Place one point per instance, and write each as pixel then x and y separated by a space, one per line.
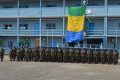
pixel 11 12
pixel 11 32
pixel 52 32
pixel 94 32
pixel 29 32
pixel 114 10
pixel 52 11
pixel 95 11
pixel 114 32
pixel 29 12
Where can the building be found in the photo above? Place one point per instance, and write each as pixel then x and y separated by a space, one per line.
pixel 44 22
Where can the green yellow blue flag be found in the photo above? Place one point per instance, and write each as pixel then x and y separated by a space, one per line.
pixel 75 27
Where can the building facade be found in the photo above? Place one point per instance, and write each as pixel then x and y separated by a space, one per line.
pixel 44 22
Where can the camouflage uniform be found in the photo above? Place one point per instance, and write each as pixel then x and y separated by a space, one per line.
pixel 27 54
pixel 83 56
pixel 115 57
pixel 109 57
pixel 95 55
pixel 103 57
pixel 89 56
pixel 1 54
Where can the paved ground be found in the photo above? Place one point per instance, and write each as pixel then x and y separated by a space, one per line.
pixel 57 71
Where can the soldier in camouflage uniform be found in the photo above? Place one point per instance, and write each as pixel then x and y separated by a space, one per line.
pixel 47 54
pixel 115 57
pixel 42 54
pixel 71 55
pixel 89 56
pixel 26 54
pixel 13 54
pixel 22 54
pixel 65 55
pixel 83 56
pixel 95 55
pixel 77 55
pixel 109 57
pixel 36 54
pixel 52 55
pixel 103 56
pixel 18 54
pixel 30 54
pixel 1 54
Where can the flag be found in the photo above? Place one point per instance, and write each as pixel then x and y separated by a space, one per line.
pixel 75 26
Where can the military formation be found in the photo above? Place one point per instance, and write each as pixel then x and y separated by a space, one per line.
pixel 72 55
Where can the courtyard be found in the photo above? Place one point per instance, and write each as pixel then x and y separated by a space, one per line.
pixel 57 71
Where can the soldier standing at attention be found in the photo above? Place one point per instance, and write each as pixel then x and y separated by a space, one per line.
pixel 1 54
pixel 95 55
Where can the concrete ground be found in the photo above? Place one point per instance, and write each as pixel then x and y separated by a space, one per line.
pixel 57 71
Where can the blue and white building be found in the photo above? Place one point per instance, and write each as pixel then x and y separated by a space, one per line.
pixel 44 22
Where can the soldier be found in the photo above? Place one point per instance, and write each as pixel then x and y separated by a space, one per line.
pixel 103 56
pixel 65 55
pixel 83 56
pixel 10 53
pixel 30 54
pixel 55 55
pixel 89 56
pixel 22 54
pixel 60 54
pixel 1 54
pixel 99 57
pixel 47 58
pixel 109 57
pixel 26 54
pixel 95 55
pixel 18 54
pixel 115 57
pixel 71 55
pixel 36 54
pixel 77 55
pixel 42 54
pixel 52 55
pixel 14 54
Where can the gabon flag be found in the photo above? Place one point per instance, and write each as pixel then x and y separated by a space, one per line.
pixel 75 26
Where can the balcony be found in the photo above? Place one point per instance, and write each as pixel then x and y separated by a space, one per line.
pixel 52 11
pixel 56 32
pixel 10 12
pixel 95 11
pixel 113 32
pixel 8 32
pixel 29 32
pixel 29 12
pixel 94 32
pixel 114 10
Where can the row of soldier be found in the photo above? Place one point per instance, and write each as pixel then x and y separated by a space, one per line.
pixel 64 55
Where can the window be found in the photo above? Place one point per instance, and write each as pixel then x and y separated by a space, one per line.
pixel 50 26
pixel 7 6
pixel 50 5
pixel 23 26
pixel 23 6
pixel 7 26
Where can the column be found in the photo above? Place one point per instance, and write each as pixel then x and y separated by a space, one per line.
pixel 18 24
pixel 105 32
pixel 40 21
pixel 105 24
